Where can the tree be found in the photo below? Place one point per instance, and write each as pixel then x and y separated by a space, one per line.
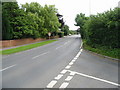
pixel 30 21
pixel 9 10
pixel 80 21
pixel 65 29
pixel 101 29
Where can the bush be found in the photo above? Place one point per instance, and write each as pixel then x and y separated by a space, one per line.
pixel 60 34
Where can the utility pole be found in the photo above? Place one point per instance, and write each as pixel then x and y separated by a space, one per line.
pixel 119 4
pixel 89 7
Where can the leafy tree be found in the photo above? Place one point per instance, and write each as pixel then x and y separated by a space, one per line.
pixel 80 21
pixel 31 20
pixel 65 29
pixel 9 10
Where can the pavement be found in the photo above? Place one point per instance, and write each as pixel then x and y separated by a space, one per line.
pixel 61 64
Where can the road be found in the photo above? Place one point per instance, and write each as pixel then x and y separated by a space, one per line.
pixel 61 64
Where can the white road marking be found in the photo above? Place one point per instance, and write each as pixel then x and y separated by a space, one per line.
pixel 66 42
pixel 58 47
pixel 71 63
pixel 81 51
pixel 72 73
pixel 68 78
pixel 7 68
pixel 73 60
pixel 40 55
pixel 63 71
pixel 99 79
pixel 63 44
pixel 58 77
pixel 67 67
pixel 64 85
pixel 51 84
pixel 78 54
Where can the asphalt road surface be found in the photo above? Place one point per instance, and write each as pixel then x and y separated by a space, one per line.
pixel 61 64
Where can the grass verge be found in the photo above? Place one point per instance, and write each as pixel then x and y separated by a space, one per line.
pixel 103 51
pixel 26 47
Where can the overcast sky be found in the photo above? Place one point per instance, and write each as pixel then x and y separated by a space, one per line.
pixel 70 8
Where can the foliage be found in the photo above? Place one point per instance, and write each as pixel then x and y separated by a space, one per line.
pixel 65 29
pixel 101 29
pixel 80 21
pixel 60 34
pixel 72 32
pixel 9 10
pixel 31 20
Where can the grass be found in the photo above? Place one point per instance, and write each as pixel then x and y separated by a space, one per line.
pixel 103 51
pixel 26 47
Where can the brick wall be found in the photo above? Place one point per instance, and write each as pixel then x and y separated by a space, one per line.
pixel 11 43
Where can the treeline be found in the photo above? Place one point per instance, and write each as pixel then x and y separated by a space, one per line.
pixel 30 21
pixel 100 30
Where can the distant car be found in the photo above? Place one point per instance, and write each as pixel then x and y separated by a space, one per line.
pixel 69 34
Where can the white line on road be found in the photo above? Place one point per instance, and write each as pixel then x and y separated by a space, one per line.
pixel 73 60
pixel 59 47
pixel 68 78
pixel 40 55
pixel 63 44
pixel 72 73
pixel 66 42
pixel 51 84
pixel 92 77
pixel 7 68
pixel 67 67
pixel 71 63
pixel 63 71
pixel 58 77
pixel 64 85
pixel 76 57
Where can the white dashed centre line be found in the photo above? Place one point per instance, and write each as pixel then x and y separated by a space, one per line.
pixel 51 84
pixel 64 85
pixel 7 68
pixel 40 55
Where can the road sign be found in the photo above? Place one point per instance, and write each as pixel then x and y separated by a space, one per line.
pixel 49 34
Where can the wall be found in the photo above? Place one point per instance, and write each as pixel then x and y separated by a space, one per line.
pixel 11 43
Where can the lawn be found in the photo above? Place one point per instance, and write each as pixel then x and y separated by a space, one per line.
pixel 26 47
